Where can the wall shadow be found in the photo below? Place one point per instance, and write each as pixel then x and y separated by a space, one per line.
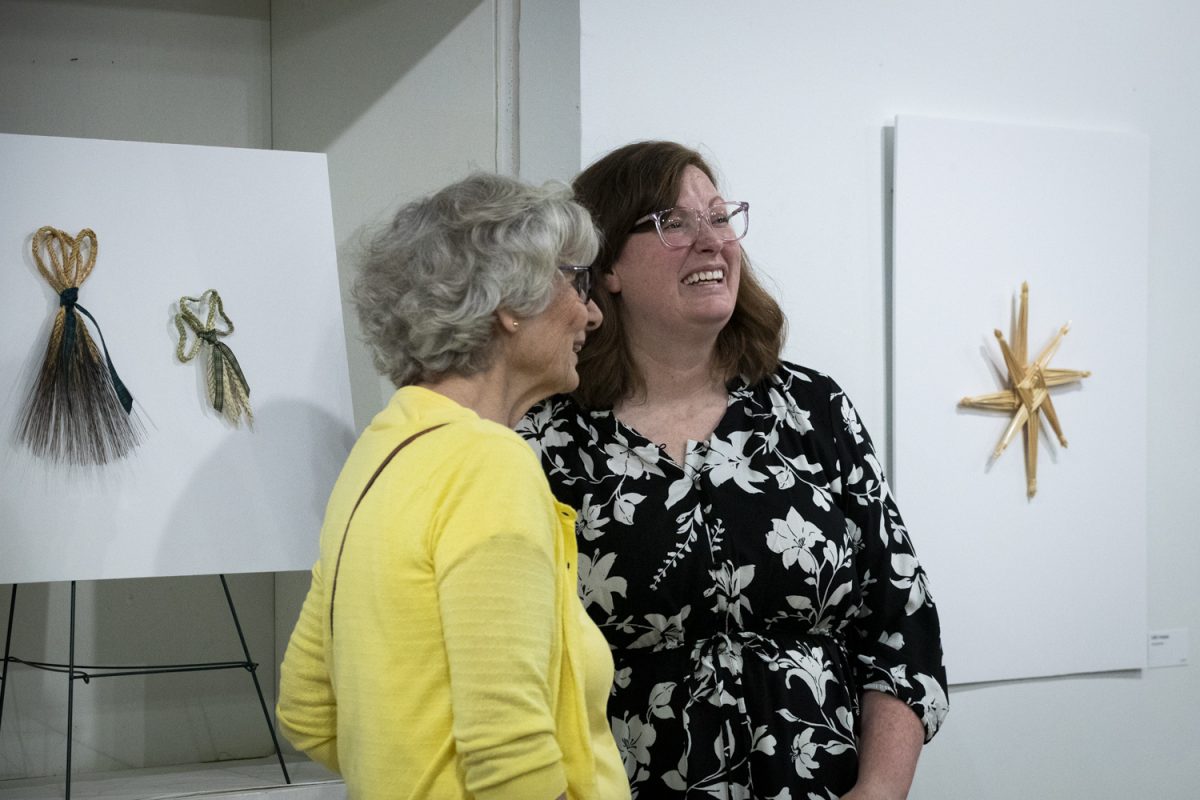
pixel 377 42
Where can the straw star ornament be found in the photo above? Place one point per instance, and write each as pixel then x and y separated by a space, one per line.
pixel 1028 395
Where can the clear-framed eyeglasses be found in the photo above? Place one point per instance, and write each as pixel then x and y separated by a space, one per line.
pixel 580 279
pixel 680 226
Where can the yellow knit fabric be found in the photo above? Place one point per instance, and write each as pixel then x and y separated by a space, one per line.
pixel 462 655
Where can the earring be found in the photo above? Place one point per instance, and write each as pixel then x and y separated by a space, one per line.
pixel 516 324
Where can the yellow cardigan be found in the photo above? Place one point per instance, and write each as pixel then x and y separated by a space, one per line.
pixel 462 663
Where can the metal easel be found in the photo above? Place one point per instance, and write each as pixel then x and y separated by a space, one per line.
pixel 86 672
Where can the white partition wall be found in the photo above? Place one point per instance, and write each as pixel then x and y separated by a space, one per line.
pixel 979 209
pixel 198 496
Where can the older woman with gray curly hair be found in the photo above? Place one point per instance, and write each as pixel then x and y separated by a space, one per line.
pixel 442 650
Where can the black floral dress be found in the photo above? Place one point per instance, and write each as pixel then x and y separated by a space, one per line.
pixel 751 594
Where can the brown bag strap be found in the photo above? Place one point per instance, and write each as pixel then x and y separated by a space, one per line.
pixel 371 482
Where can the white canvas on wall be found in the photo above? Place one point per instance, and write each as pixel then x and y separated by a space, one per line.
pixel 1054 584
pixel 198 496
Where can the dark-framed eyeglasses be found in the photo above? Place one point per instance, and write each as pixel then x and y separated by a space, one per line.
pixel 580 279
pixel 680 226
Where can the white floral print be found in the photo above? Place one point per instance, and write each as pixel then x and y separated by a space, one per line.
pixel 750 594
pixel 595 586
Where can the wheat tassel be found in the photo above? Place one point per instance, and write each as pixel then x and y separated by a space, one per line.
pixel 78 409
pixel 228 391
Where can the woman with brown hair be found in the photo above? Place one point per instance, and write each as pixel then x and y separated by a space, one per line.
pixel 738 544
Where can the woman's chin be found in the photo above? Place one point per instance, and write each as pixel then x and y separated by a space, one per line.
pixel 714 318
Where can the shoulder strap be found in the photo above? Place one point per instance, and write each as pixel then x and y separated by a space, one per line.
pixel 371 482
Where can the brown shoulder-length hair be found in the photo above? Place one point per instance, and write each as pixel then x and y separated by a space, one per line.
pixel 618 189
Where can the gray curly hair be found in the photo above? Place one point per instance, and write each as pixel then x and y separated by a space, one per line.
pixel 432 280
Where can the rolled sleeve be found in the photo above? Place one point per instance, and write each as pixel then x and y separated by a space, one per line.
pixel 897 641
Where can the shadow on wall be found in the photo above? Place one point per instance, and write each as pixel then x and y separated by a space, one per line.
pixel 23 727
pixel 178 718
pixel 260 486
pixel 370 390
pixel 134 720
pixel 376 41
pixel 240 485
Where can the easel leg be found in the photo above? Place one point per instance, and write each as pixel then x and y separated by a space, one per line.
pixel 70 694
pixel 12 607
pixel 250 665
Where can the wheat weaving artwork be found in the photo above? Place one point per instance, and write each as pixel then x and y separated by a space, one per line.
pixel 228 391
pixel 78 410
pixel 1028 395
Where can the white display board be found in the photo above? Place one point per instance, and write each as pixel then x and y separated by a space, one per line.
pixel 198 496
pixel 1055 584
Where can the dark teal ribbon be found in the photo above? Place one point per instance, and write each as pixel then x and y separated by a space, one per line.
pixel 66 299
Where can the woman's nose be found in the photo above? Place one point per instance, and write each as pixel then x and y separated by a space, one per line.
pixel 707 238
pixel 595 317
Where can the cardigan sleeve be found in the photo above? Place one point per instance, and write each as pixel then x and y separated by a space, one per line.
pixel 307 709
pixel 494 561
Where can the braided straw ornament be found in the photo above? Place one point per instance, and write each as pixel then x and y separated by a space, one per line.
pixel 228 391
pixel 78 410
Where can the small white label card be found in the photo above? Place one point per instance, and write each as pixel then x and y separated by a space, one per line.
pixel 1167 648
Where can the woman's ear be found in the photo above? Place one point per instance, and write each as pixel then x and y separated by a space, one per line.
pixel 507 320
pixel 612 282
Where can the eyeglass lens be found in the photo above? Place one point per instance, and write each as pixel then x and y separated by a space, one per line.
pixel 680 226
pixel 580 279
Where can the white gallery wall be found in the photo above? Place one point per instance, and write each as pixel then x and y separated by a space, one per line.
pixel 794 103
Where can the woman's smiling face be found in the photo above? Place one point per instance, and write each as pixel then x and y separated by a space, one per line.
pixel 684 288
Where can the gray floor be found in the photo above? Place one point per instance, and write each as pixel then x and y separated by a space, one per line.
pixel 258 779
